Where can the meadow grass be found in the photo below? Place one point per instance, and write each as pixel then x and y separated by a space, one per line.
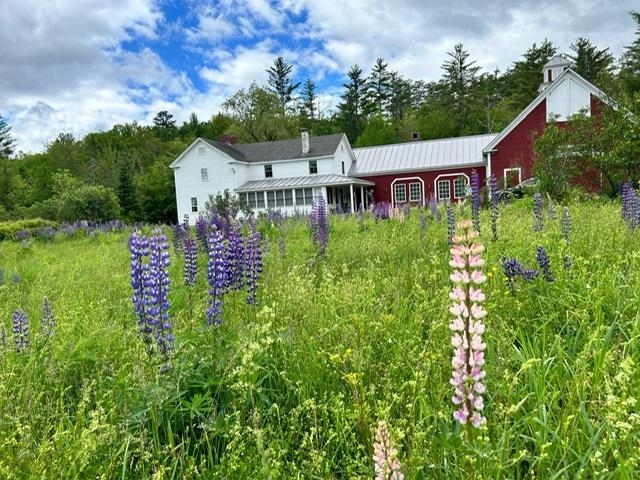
pixel 295 386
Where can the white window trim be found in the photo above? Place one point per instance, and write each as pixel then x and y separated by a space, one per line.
pixel 405 180
pixel 194 204
pixel 466 184
pixel 513 169
pixel 396 187
pixel 420 194
pixel 447 176
pixel 204 174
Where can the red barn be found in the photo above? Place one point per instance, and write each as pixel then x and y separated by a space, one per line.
pixel 417 171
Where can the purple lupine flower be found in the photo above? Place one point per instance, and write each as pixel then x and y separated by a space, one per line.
pixel 537 212
pixel 434 208
pixel 252 265
pixel 385 456
pixel 636 210
pixel 158 295
pixel 467 326
pixel 451 223
pixel 202 231
pixel 221 223
pixel 190 247
pixel 177 238
pixel 476 200
pixel 544 263
pixel 529 274
pixel 216 276
pixel 319 224
pixel 512 269
pixel 48 320
pixel 381 211
pixel 236 258
pixel 139 248
pixel 20 324
pixel 494 202
pixel 628 203
pixel 566 223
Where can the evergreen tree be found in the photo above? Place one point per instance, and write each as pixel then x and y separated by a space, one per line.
pixel 630 61
pixel 7 142
pixel 126 191
pixel 590 62
pixel 379 87
pixel 352 109
pixel 459 79
pixel 309 99
pixel 280 82
pixel 165 125
pixel 525 77
pixel 399 101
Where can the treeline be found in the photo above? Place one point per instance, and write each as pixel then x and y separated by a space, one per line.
pixel 124 172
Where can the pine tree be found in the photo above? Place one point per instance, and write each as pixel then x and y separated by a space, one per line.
pixel 379 86
pixel 594 64
pixel 309 99
pixel 630 61
pixel 352 110
pixel 525 77
pixel 459 78
pixel 7 142
pixel 280 82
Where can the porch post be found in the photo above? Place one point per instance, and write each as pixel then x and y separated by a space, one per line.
pixel 351 194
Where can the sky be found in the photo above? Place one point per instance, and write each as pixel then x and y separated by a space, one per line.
pixel 80 66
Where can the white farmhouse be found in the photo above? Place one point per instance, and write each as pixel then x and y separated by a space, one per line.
pixel 286 174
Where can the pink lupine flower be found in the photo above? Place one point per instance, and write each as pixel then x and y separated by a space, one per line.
pixel 385 456
pixel 467 327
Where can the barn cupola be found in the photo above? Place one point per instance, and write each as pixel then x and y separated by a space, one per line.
pixel 552 70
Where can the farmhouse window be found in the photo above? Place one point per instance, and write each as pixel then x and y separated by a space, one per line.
pixel 459 188
pixel 415 192
pixel 194 204
pixel 400 192
pixel 271 199
pixel 304 196
pixel 201 151
pixel 255 199
pixel 204 174
pixel 268 171
pixel 279 198
pixel 313 167
pixel 444 190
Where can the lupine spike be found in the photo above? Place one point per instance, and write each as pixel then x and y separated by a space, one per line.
pixel 190 247
pixel 20 324
pixel 495 206
pixel 467 327
pixel 216 276
pixel 537 212
pixel 48 321
pixel 253 265
pixel 476 200
pixel 385 456
pixel 319 224
pixel 544 263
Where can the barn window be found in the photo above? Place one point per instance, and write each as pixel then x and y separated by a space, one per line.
pixel 460 187
pixel 415 192
pixel 400 193
pixel 444 190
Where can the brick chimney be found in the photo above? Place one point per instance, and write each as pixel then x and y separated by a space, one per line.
pixel 305 141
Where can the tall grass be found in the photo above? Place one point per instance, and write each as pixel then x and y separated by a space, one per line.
pixel 295 386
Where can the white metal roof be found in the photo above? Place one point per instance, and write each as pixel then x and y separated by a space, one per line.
pixel 295 182
pixel 425 155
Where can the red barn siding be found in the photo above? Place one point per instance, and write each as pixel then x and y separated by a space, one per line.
pixel 383 190
pixel 516 149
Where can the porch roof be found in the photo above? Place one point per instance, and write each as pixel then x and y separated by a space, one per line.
pixel 309 181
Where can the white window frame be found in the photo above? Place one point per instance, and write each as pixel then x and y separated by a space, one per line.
pixel 441 197
pixel 456 183
pixel 406 180
pixel 412 197
pixel 268 169
pixel 313 165
pixel 505 175
pixel 204 174
pixel 447 177
pixel 399 193
pixel 194 204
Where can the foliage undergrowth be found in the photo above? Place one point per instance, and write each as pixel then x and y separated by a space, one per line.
pixel 295 386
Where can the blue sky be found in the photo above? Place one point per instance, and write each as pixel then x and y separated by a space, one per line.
pixel 77 66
